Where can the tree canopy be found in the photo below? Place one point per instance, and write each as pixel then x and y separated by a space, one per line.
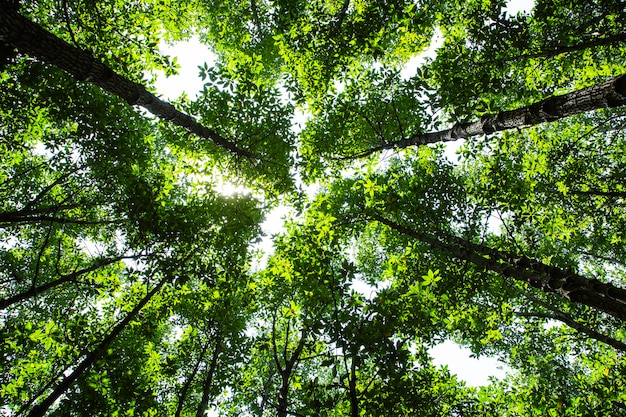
pixel 132 284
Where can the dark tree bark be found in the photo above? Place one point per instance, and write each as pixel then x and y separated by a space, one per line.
pixel 34 291
pixel 31 39
pixel 568 284
pixel 553 50
pixel 568 320
pixel 185 389
pixel 208 380
pixel 285 372
pixel 17 219
pixel 611 93
pixel 352 390
pixel 579 327
pixel 41 409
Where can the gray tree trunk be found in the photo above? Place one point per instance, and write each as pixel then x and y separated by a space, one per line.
pixel 31 39
pixel 611 93
pixel 598 295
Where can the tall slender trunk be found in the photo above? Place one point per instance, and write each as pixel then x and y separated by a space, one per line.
pixel 41 409
pixel 354 397
pixel 568 284
pixel 17 220
pixel 568 320
pixel 579 327
pixel 286 371
pixel 208 381
pixel 608 94
pixel 553 50
pixel 34 291
pixel 31 39
pixel 185 389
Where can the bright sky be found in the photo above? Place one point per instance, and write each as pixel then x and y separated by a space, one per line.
pixel 191 54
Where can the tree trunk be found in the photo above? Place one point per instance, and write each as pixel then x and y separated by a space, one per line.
pixel 576 288
pixel 31 39
pixel 283 395
pixel 579 327
pixel 569 321
pixel 185 389
pixel 611 93
pixel 41 409
pixel 33 291
pixel 354 398
pixel 208 381
pixel 287 371
pixel 550 51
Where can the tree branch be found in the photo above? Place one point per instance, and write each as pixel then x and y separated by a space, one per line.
pixel 31 39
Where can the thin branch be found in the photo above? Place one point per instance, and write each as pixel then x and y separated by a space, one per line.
pixel 274 347
pixel 579 327
pixel 58 220
pixel 341 15
pixel 34 291
pixel 38 262
pixel 49 187
pixel 561 49
pixel 67 22
pixel 183 393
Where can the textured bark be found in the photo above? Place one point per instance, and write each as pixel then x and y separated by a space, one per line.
pixel 31 39
pixel 611 93
pixel 41 409
pixel 568 284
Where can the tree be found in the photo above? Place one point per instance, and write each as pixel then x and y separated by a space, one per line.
pixel 395 125
pixel 29 38
pixel 133 282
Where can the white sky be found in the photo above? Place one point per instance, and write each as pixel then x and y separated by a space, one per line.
pixel 191 54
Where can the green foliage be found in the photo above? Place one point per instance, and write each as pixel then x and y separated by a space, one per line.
pixel 125 34
pixel 132 281
pixel 503 61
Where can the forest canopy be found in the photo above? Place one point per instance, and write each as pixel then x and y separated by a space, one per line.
pixel 133 285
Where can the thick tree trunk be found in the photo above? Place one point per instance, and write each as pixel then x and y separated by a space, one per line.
pixel 31 39
pixel 611 93
pixel 283 395
pixel 41 409
pixel 574 287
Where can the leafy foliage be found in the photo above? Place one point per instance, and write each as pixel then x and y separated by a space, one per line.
pixel 133 283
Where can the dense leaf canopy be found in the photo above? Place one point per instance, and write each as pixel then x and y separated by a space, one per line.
pixel 133 284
